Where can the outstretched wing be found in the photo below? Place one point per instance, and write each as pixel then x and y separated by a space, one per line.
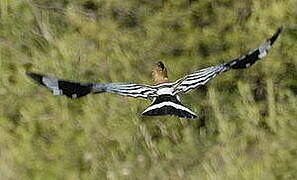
pixel 202 76
pixel 76 90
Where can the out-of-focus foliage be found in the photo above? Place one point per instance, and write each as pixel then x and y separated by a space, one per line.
pixel 248 118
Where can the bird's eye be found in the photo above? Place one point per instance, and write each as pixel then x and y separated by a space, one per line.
pixel 161 65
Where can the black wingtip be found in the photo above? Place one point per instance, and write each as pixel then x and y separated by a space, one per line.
pixel 276 34
pixel 36 77
pixel 279 30
pixel 60 87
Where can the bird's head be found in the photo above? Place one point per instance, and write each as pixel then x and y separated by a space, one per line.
pixel 159 73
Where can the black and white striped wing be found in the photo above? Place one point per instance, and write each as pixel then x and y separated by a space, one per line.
pixel 202 76
pixel 77 90
pixel 126 89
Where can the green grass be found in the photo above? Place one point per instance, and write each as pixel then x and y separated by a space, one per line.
pixel 247 127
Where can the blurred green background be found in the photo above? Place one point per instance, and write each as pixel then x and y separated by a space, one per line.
pixel 247 127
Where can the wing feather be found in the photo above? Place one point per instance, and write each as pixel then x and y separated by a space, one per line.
pixel 201 77
pixel 126 89
pixel 76 89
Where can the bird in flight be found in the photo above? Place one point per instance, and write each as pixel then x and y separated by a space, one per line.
pixel 164 94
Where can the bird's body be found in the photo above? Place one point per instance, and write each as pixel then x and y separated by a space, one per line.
pixel 164 94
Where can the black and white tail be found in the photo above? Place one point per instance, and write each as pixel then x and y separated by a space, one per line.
pixel 168 105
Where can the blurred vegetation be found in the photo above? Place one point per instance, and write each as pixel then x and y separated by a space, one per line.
pixel 247 127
